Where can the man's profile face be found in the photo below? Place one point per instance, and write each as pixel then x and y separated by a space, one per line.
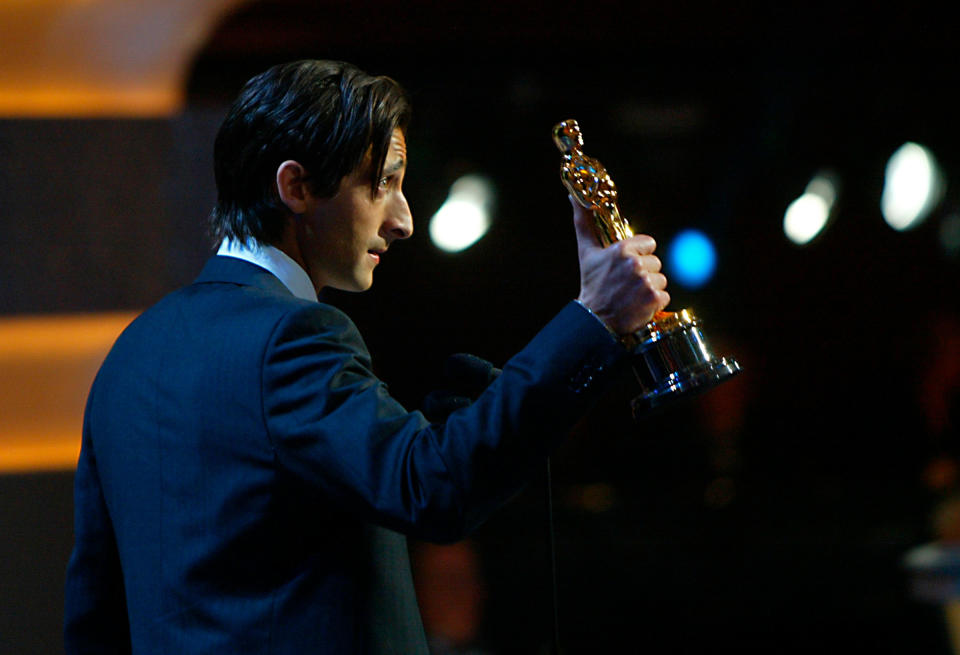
pixel 342 238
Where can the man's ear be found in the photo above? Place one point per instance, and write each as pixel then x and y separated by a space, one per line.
pixel 292 186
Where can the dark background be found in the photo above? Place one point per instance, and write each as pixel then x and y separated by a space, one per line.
pixel 771 515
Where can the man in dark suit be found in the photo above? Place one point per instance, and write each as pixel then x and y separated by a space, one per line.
pixel 246 483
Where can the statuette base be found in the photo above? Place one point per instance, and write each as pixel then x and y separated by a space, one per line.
pixel 673 360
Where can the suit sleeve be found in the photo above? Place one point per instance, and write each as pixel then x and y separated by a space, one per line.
pixel 95 609
pixel 337 431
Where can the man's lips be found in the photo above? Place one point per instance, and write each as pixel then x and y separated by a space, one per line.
pixel 376 254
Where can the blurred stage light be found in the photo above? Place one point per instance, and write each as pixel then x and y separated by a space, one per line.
pixel 912 187
pixel 806 216
pixel 464 217
pixel 691 259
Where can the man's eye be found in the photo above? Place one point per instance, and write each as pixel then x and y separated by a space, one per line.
pixel 384 182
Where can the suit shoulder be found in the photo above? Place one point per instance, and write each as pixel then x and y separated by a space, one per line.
pixel 319 321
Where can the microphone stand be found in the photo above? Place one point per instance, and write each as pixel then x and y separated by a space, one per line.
pixel 552 556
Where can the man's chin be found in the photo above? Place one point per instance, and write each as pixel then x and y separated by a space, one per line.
pixel 355 285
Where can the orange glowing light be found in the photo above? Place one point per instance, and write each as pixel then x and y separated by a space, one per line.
pixel 47 364
pixel 100 58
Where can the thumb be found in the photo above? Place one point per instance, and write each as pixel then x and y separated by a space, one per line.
pixel 583 224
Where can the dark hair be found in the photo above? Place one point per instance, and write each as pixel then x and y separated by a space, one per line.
pixel 323 114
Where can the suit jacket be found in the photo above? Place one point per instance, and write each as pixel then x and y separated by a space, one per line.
pixel 245 481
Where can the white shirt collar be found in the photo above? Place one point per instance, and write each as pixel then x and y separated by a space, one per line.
pixel 274 260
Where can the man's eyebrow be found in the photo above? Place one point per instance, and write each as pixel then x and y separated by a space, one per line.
pixel 395 166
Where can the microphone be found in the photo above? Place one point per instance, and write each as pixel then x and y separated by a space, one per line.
pixel 466 376
pixel 470 374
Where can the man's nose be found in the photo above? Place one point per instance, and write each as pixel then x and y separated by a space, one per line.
pixel 399 222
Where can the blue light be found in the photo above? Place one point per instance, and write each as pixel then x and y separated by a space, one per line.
pixel 691 259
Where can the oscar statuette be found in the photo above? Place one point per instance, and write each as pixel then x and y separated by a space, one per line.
pixel 671 356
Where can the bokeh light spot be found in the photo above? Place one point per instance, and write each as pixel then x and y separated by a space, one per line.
pixel 691 259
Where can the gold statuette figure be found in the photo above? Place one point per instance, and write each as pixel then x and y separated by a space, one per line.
pixel 588 181
pixel 672 357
